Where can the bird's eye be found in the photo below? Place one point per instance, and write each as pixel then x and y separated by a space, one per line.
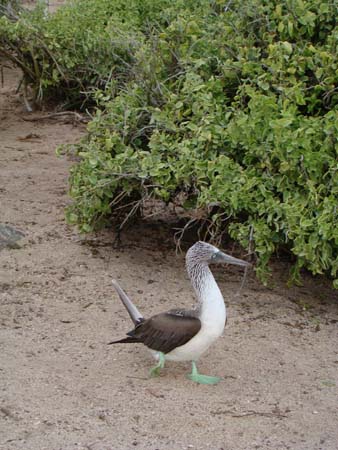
pixel 214 256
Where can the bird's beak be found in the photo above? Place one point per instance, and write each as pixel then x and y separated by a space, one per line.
pixel 227 259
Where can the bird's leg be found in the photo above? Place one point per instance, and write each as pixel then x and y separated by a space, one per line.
pixel 202 379
pixel 155 371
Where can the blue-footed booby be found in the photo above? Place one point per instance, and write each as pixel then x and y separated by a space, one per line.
pixel 179 334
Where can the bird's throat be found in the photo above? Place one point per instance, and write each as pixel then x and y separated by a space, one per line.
pixel 212 311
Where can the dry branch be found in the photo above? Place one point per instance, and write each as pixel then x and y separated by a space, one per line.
pixel 76 115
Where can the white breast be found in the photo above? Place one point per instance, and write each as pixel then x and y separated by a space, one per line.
pixel 213 317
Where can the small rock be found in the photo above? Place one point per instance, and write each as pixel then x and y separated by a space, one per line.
pixel 9 237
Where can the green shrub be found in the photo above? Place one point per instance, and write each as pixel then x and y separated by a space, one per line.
pixel 69 54
pixel 9 8
pixel 227 109
pixel 83 46
pixel 232 114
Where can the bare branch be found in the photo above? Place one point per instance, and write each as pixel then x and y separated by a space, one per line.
pixel 76 115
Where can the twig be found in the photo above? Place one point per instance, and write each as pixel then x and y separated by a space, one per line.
pixel 50 54
pixel 56 114
pixel 250 253
pixel 19 85
pixel 136 206
pixel 180 233
pixel 250 413
pixel 90 446
pixel 137 378
pixel 116 200
pixel 227 6
pixel 25 99
pixel 17 61
pixel 87 305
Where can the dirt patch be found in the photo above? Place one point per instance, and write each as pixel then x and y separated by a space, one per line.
pixel 63 388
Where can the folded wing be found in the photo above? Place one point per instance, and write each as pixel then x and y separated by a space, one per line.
pixel 164 332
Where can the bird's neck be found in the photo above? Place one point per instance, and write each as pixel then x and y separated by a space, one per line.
pixel 210 300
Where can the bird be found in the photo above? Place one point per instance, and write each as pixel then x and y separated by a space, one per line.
pixel 180 334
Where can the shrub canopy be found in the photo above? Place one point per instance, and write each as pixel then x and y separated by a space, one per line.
pixel 225 108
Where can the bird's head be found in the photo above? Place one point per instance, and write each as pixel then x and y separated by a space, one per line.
pixel 204 254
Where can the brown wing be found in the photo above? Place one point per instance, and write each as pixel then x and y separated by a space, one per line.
pixel 165 331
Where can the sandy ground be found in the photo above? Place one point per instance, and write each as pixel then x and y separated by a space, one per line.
pixel 63 388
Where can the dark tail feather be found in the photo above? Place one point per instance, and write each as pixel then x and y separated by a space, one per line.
pixel 127 340
pixel 133 312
